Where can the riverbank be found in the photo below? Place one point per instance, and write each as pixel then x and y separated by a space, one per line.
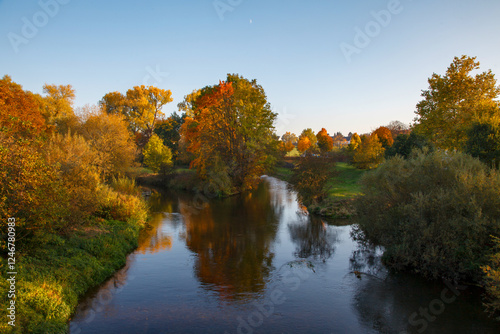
pixel 343 190
pixel 52 278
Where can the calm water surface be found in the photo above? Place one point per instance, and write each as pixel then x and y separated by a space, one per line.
pixel 256 263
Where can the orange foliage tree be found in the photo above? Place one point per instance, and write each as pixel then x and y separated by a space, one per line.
pixel 304 144
pixel 384 136
pixel 325 142
pixel 231 134
pixel 20 113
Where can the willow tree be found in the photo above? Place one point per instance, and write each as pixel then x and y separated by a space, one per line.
pixel 456 100
pixel 231 134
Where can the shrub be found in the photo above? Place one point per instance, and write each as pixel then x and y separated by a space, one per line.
pixel 434 213
pixel 492 285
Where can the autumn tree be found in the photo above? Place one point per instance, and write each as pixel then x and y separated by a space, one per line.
pixel 290 138
pixel 384 136
pixel 141 106
pixel 57 107
pixel 110 137
pixel 355 143
pixel 231 134
pixel 157 156
pixel 304 144
pixel 20 113
pixel 456 100
pixel 370 153
pixel 168 130
pixel 309 133
pixel 325 142
pixel 186 106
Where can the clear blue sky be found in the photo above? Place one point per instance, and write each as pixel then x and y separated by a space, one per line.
pixel 292 48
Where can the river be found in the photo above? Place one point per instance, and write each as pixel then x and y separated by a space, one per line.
pixel 258 263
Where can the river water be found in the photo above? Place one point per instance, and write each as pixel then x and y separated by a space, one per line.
pixel 258 263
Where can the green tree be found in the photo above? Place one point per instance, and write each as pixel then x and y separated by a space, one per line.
pixel 156 155
pixel 456 100
pixel 484 143
pixel 404 144
pixel 168 130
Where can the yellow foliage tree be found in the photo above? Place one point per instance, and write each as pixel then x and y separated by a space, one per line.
pixel 156 155
pixel 109 136
pixel 370 153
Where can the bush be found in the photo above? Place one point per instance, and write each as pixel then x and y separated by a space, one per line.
pixel 492 285
pixel 434 213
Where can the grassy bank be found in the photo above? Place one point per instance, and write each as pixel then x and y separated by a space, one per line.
pixel 343 189
pixel 52 278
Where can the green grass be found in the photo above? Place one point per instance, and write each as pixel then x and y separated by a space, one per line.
pixel 346 183
pixel 51 279
pixel 282 173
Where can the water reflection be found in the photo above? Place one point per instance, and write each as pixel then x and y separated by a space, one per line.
pixel 233 240
pixel 313 238
pixel 403 303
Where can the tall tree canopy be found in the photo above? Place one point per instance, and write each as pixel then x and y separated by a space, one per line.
pixel 231 134
pixel 456 100
pixel 20 113
pixel 141 106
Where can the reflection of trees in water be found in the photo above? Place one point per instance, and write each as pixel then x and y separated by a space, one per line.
pixel 152 239
pixel 314 238
pixel 385 302
pixel 232 239
pixel 368 260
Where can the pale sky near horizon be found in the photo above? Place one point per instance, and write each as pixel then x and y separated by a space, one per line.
pixel 293 48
